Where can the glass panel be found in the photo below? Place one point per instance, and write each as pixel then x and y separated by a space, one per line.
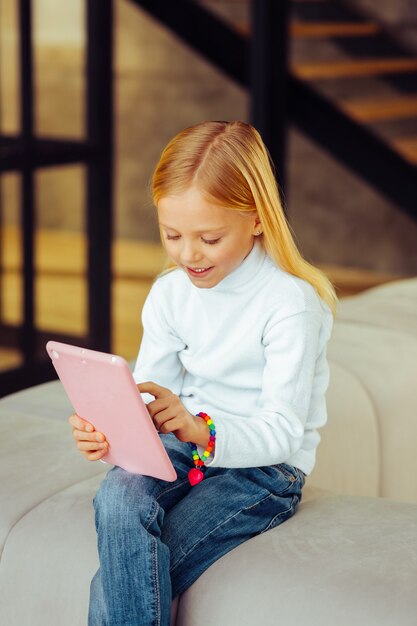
pixel 9 68
pixel 11 281
pixel 136 263
pixel 59 60
pixel 61 292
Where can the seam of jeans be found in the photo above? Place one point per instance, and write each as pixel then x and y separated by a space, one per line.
pixel 153 515
pixel 287 473
pixel 248 508
pixel 154 557
pixel 282 513
pixel 172 488
pixel 300 476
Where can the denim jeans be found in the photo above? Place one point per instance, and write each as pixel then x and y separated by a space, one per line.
pixel 155 538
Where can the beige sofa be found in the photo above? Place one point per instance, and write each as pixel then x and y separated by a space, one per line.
pixel 349 555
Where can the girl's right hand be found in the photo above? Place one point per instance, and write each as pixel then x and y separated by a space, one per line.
pixel 90 443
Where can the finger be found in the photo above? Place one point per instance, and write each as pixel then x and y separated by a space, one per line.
pixel 81 435
pixel 78 422
pixel 153 389
pixel 95 456
pixel 91 446
pixel 170 426
pixel 157 405
pixel 162 418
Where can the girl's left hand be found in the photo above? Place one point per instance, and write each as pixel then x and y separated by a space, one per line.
pixel 170 415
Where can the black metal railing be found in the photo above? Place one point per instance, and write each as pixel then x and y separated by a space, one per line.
pixel 25 153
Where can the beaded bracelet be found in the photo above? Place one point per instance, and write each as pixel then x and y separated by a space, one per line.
pixel 196 474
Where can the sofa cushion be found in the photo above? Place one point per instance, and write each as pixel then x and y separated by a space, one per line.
pixel 348 457
pixel 340 560
pixel 38 456
pixel 49 560
pixel 372 396
pixel 391 305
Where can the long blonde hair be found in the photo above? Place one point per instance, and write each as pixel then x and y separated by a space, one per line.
pixel 231 166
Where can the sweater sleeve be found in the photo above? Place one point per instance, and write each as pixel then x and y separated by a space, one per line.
pixel 275 431
pixel 158 359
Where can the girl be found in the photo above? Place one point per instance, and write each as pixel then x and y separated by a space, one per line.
pixel 235 330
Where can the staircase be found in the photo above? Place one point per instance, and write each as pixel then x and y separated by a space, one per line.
pixel 355 62
pixel 350 86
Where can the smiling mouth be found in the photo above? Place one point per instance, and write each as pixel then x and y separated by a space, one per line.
pixel 199 271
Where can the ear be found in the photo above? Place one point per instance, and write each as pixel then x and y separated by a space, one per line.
pixel 257 228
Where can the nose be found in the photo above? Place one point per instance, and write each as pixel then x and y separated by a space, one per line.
pixel 190 254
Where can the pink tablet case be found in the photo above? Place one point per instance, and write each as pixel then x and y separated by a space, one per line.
pixel 102 391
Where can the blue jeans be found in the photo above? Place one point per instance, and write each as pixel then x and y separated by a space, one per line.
pixel 155 538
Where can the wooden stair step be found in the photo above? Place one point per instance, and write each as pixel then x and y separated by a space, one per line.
pixel 323 30
pixel 314 30
pixel 365 110
pixel 343 69
pixel 407 147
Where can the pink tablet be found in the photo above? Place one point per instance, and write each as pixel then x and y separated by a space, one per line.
pixel 102 391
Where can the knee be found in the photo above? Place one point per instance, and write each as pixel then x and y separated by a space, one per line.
pixel 123 500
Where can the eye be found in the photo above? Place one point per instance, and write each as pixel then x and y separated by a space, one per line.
pixel 211 241
pixel 174 237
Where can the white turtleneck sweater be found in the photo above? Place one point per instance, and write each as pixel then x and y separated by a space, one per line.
pixel 250 352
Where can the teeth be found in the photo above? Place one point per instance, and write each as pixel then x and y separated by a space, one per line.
pixel 200 269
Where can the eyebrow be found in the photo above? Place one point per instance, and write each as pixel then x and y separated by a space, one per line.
pixel 198 232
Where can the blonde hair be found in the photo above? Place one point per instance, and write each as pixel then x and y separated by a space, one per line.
pixel 231 166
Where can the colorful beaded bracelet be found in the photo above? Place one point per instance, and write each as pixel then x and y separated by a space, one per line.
pixel 196 474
